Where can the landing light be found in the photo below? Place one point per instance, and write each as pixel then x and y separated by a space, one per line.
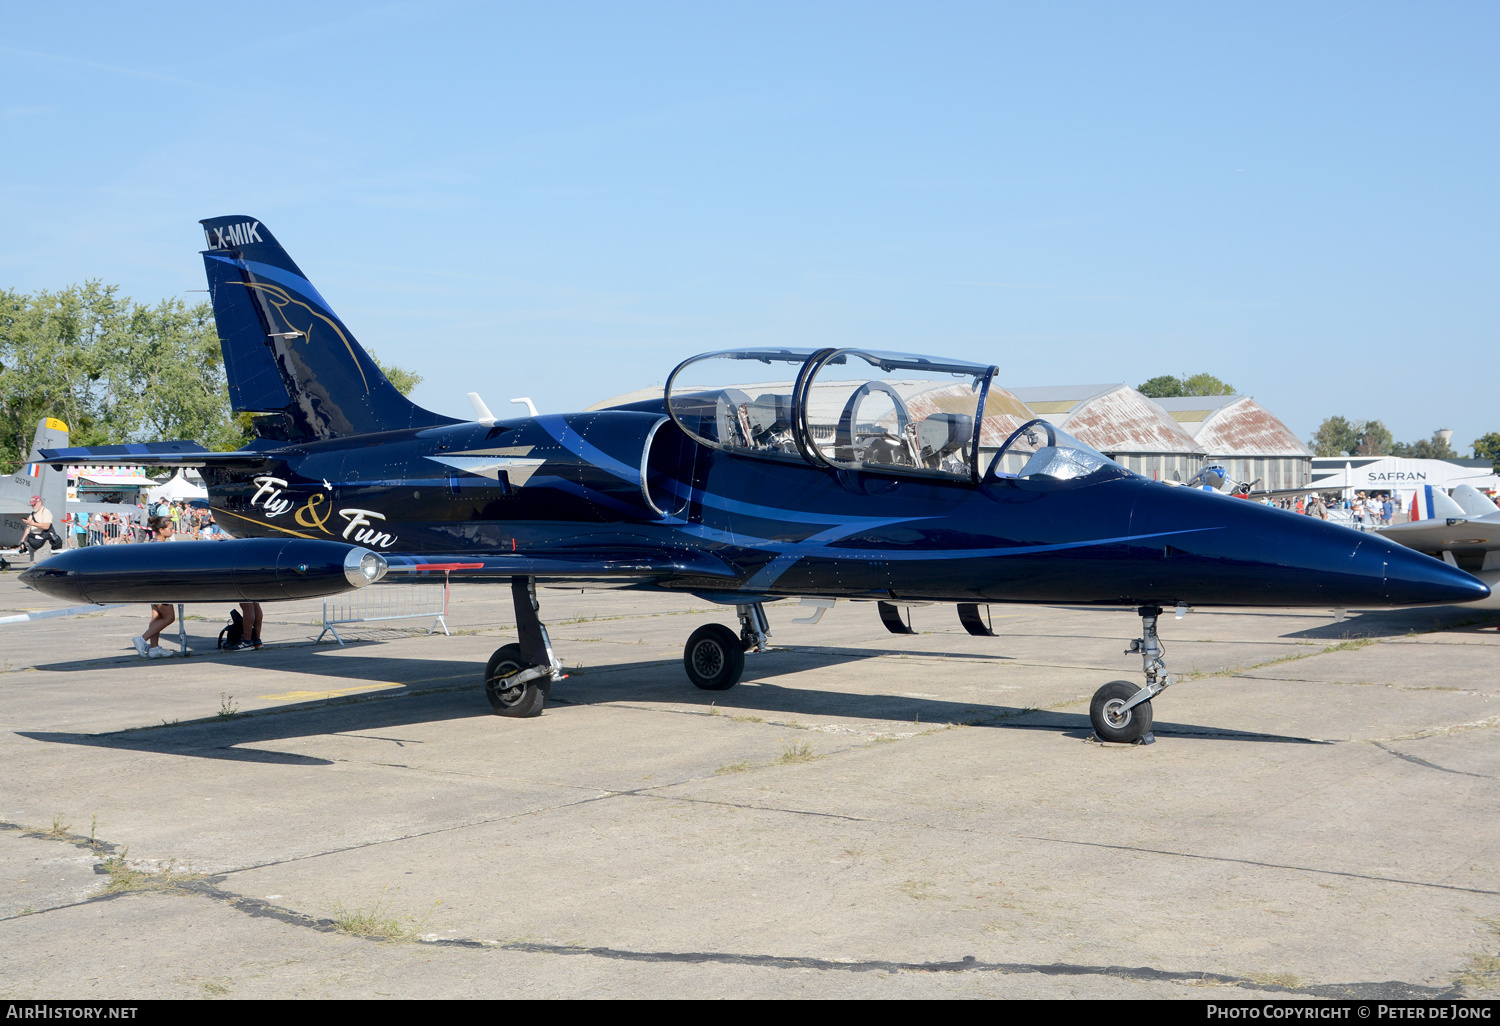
pixel 362 567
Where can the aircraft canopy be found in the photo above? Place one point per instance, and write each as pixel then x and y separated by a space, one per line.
pixel 850 409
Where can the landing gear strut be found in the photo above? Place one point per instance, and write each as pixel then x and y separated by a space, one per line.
pixel 715 658
pixel 518 678
pixel 1120 711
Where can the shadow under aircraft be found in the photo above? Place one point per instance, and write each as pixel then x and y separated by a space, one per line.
pixel 826 474
pixel 439 696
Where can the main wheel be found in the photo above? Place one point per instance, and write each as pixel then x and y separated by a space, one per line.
pixel 528 699
pixel 714 657
pixel 1112 723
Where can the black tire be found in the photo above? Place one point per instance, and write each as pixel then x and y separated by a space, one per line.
pixel 528 699
pixel 714 657
pixel 1109 724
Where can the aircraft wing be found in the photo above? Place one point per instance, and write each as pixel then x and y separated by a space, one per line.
pixel 150 454
pixel 581 566
pixel 1448 534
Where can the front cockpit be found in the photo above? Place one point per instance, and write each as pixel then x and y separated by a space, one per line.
pixel 873 412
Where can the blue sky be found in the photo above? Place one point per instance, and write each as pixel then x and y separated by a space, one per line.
pixel 564 200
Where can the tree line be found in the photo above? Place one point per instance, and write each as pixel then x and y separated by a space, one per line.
pixel 1339 436
pixel 117 371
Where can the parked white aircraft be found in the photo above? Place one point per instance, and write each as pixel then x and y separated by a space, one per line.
pixel 1463 530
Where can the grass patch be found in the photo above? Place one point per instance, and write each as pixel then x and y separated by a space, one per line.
pixel 126 876
pixel 377 922
pixel 228 707
pixel 798 751
pixel 732 767
pixel 747 719
pixel 59 828
pixel 1277 980
pixel 1482 972
pixel 1352 645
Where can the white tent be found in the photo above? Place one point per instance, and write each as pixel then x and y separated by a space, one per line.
pixel 177 489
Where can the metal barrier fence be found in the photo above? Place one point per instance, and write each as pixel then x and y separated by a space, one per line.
pixel 386 602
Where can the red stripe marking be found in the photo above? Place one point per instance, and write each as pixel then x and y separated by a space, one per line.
pixel 449 566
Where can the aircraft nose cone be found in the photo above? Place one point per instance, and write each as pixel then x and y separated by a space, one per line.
pixel 1412 579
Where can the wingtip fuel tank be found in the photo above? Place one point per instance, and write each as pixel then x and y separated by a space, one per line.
pixel 243 570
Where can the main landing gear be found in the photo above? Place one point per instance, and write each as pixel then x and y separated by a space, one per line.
pixel 1121 711
pixel 715 656
pixel 518 678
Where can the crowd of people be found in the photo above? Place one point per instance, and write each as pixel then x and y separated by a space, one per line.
pixel 1364 512
pixel 131 524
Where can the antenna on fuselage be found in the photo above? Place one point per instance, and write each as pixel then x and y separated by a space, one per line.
pixel 481 412
pixel 530 406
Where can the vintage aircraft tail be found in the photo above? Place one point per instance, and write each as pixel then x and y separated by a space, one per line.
pixel 36 477
pixel 1429 502
pixel 286 352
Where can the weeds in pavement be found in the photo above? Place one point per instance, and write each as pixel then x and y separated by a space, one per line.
pixel 228 707
pixel 798 751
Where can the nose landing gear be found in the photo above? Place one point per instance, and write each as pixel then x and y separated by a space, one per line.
pixel 1120 711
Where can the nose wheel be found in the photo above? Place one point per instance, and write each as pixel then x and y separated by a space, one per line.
pixel 1121 711
pixel 1112 720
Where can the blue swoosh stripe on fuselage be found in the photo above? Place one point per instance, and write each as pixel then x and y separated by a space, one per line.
pixel 575 443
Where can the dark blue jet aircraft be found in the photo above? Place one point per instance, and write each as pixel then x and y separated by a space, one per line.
pixel 757 475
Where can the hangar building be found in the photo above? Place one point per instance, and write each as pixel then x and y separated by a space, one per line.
pixel 1121 423
pixel 1244 438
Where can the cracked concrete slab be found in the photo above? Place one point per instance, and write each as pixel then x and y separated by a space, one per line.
pixel 866 815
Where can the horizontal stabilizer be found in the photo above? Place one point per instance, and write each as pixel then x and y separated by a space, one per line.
pixel 150 454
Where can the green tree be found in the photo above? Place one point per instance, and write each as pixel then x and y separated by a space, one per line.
pixel 1206 384
pixel 1339 436
pixel 1488 448
pixel 1164 387
pixel 1374 439
pixel 1168 387
pixel 403 379
pixel 116 371
pixel 1335 437
pixel 1435 448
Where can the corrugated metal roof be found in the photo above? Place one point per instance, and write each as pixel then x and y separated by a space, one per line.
pixel 1243 427
pixel 1187 408
pixel 1124 421
pixel 1061 398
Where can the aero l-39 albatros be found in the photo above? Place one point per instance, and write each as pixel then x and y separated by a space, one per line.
pixel 757 475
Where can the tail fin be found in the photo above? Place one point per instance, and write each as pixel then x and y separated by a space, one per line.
pixel 285 351
pixel 1429 503
pixel 36 477
pixel 1474 502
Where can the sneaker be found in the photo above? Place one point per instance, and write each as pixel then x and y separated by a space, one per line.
pixel 246 643
pixel 158 653
pixel 140 646
pixel 255 644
